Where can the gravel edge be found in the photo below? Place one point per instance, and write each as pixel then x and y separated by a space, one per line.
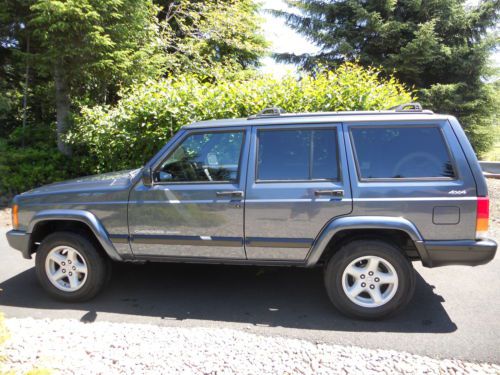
pixel 72 347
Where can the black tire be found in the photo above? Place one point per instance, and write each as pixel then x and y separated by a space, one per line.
pixel 351 251
pixel 98 266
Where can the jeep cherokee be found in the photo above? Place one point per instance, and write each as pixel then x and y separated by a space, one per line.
pixel 362 194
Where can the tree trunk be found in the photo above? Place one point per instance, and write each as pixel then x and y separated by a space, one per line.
pixel 26 83
pixel 62 107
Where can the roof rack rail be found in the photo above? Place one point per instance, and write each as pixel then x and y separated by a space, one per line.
pixel 407 107
pixel 268 112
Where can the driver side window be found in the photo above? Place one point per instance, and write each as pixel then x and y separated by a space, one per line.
pixel 204 157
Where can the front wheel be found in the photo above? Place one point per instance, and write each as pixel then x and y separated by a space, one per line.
pixel 369 279
pixel 70 268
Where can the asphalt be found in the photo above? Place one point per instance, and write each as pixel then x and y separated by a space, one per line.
pixel 455 312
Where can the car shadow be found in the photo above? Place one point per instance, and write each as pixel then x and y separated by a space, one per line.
pixel 273 296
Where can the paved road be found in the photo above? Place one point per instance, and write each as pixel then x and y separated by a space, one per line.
pixel 455 312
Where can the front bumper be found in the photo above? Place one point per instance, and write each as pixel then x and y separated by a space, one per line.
pixel 470 253
pixel 20 240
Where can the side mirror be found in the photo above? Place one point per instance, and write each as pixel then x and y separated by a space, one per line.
pixel 147 177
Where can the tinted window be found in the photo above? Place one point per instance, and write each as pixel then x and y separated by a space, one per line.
pixel 324 155
pixel 399 152
pixel 297 155
pixel 204 157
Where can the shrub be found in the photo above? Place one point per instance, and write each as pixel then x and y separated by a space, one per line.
pixel 127 135
pixel 22 169
pixel 478 111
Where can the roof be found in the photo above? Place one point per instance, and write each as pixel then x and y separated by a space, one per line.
pixel 323 117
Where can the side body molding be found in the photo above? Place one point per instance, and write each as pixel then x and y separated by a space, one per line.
pixel 364 222
pixel 83 216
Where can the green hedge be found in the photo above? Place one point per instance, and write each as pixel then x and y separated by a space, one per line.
pixel 38 162
pixel 127 135
pixel 22 169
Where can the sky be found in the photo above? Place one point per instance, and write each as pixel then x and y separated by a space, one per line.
pixel 284 39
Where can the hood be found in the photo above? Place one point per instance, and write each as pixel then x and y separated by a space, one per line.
pixel 105 181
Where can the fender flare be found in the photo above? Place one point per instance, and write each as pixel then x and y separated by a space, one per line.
pixel 364 222
pixel 86 217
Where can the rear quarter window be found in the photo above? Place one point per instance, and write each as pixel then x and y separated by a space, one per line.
pixel 400 152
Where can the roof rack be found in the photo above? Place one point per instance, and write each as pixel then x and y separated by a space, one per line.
pixel 412 107
pixel 408 107
pixel 268 112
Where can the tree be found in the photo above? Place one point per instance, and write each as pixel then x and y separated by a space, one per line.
pixel 440 47
pixel 13 41
pixel 56 55
pixel 92 47
pixel 198 36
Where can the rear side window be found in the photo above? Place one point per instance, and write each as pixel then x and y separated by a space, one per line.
pixel 401 152
pixel 299 154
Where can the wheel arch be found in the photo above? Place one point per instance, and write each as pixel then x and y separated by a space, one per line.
pixel 341 230
pixel 46 221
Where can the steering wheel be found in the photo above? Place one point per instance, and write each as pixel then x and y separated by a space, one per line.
pixel 190 171
pixel 417 160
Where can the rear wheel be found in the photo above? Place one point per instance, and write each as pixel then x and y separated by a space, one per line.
pixel 70 268
pixel 369 279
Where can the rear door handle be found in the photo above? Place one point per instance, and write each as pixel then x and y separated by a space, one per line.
pixel 333 193
pixel 235 193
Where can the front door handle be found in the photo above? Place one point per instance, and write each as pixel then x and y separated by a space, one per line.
pixel 235 193
pixel 333 193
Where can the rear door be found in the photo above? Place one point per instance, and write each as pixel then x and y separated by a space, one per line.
pixel 416 170
pixel 297 182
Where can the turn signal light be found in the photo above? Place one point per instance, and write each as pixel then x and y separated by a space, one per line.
pixel 15 216
pixel 483 215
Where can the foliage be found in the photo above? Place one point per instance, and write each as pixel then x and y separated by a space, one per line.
pixel 39 163
pixel 477 111
pixel 197 36
pixel 56 56
pixel 59 56
pixel 440 47
pixel 100 43
pixel 128 134
pixel 494 153
pixel 23 169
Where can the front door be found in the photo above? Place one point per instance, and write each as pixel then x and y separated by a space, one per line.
pixel 295 186
pixel 195 207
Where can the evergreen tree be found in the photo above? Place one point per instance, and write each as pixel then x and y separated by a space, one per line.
pixel 199 36
pixel 439 47
pixel 92 46
pixel 57 55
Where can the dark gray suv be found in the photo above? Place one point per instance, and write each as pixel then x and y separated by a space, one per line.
pixel 362 194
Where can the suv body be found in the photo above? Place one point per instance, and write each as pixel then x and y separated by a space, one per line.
pixel 363 193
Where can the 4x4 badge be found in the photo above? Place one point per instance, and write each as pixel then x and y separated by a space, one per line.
pixel 457 192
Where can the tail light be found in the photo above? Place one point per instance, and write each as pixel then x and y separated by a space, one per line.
pixel 15 216
pixel 483 215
